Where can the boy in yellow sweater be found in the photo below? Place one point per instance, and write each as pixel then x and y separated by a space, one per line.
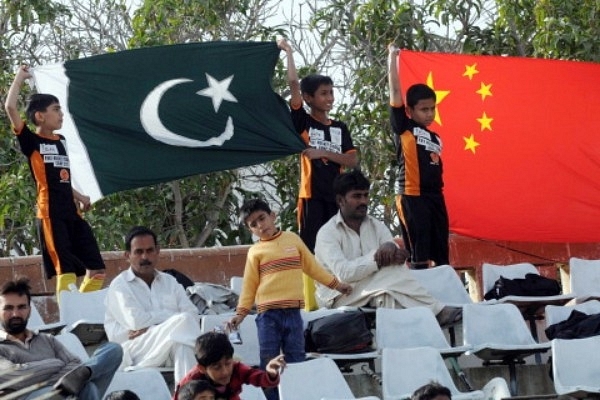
pixel 273 281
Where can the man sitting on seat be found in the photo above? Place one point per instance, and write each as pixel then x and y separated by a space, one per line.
pixel 360 250
pixel 148 311
pixel 40 359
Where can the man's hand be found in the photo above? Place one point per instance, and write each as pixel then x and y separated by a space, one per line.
pixel 386 255
pixel 134 334
pixel 401 255
pixel 344 288
pixel 276 366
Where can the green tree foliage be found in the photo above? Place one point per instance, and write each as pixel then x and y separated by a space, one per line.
pixel 567 30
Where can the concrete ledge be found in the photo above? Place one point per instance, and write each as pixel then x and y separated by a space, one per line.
pixel 217 265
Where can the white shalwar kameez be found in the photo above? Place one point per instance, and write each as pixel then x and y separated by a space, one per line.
pixel 164 307
pixel 350 257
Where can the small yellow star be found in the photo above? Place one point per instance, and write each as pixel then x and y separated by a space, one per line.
pixel 439 97
pixel 485 122
pixel 470 70
pixel 484 90
pixel 470 143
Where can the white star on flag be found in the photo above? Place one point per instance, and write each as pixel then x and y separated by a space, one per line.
pixel 218 91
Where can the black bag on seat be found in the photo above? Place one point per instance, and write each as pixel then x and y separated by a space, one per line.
pixel 578 325
pixel 344 332
pixel 531 285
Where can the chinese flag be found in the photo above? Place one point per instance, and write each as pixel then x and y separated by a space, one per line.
pixel 521 144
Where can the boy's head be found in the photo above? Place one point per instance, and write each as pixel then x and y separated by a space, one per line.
pixel 122 395
pixel 214 354
pixel 432 391
pixel 311 83
pixel 197 390
pixel 420 103
pixel 258 217
pixel 317 92
pixel 44 109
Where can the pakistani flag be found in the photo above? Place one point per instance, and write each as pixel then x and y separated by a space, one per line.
pixel 140 117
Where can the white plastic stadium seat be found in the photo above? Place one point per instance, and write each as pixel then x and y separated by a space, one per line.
pixel 405 370
pixel 585 279
pixel 498 333
pixel 418 328
pixel 316 379
pixel 37 324
pixel 575 367
pixel 444 284
pixel 83 314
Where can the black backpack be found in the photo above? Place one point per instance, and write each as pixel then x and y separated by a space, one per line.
pixel 344 332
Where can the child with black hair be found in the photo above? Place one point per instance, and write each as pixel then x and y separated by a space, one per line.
pixel 69 248
pixel 122 395
pixel 198 389
pixel 273 282
pixel 214 353
pixel 329 150
pixel 329 147
pixel 420 199
pixel 432 391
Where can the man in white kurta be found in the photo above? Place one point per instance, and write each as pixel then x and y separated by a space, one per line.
pixel 148 311
pixel 360 250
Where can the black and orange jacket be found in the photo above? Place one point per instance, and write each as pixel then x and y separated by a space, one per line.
pixel 49 165
pixel 418 153
pixel 316 179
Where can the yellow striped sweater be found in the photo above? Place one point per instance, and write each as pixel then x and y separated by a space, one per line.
pixel 273 274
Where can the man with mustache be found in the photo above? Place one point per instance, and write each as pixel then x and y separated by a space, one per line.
pixel 360 250
pixel 148 311
pixel 28 359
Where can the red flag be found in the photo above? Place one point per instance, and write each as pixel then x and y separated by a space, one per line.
pixel 521 144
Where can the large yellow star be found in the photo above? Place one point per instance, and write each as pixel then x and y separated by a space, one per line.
pixel 439 97
pixel 470 143
pixel 470 70
pixel 484 90
pixel 485 122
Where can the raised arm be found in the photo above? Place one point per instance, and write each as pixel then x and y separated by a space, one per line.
pixel 292 74
pixel 393 79
pixel 13 95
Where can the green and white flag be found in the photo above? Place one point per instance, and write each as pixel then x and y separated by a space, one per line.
pixel 144 116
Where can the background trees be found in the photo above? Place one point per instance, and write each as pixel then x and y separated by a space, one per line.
pixel 346 39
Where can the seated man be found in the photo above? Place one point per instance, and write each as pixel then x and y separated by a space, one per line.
pixel 148 311
pixel 360 250
pixel 40 361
